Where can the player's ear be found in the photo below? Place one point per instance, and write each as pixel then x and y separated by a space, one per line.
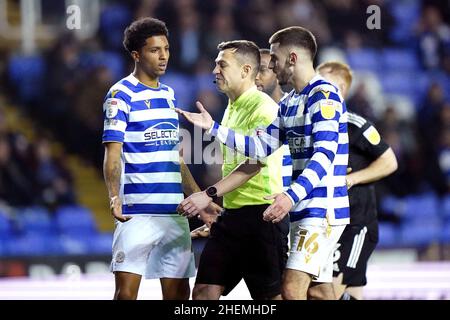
pixel 246 69
pixel 135 56
pixel 292 58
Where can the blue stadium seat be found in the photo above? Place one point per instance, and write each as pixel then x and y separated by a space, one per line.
pixel 445 207
pixel 184 88
pixel 75 221
pixel 36 220
pixel 392 205
pixel 111 60
pixel 406 13
pixel 5 233
pixel 420 232
pixel 400 59
pixel 424 206
pixel 75 245
pixel 114 62
pixel 445 235
pixel 26 73
pixel 364 59
pixel 3 251
pixel 6 228
pixel 33 245
pixel 113 20
pixel 398 82
pixel 387 235
pixel 101 244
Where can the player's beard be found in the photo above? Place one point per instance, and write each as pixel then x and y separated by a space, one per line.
pixel 283 78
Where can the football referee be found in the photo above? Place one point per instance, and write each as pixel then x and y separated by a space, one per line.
pixel 242 245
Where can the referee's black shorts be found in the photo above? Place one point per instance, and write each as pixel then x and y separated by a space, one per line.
pixel 244 246
pixel 354 249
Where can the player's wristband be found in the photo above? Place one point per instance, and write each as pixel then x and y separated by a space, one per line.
pixel 112 200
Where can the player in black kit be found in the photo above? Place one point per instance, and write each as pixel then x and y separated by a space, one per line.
pixel 370 159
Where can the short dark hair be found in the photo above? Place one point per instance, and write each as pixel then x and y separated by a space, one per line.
pixel 297 37
pixel 245 49
pixel 136 33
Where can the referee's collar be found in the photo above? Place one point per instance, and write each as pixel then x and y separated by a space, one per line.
pixel 243 96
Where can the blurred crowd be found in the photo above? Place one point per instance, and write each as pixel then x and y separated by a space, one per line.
pixel 67 82
pixel 31 174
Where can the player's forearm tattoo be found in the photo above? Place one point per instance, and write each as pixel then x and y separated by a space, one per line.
pixel 113 172
pixel 189 184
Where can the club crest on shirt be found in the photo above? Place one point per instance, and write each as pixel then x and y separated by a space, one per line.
pixel 372 135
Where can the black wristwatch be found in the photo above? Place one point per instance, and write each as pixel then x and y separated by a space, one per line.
pixel 211 192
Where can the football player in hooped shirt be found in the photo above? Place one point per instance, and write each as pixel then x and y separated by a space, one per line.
pixel 144 173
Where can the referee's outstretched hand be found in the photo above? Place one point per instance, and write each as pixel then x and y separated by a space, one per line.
pixel 202 119
pixel 278 209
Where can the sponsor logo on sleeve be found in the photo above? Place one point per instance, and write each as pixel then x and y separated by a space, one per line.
pixel 327 109
pixel 111 108
pixel 372 135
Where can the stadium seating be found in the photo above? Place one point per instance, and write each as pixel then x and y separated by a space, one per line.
pixel 364 59
pixel 75 244
pixel 101 243
pixel 420 232
pixel 445 207
pixel 392 205
pixel 424 206
pixel 405 14
pixel 388 235
pixel 71 230
pixel 398 82
pixel 5 227
pixel 33 245
pixel 26 74
pixel 113 20
pixel 400 59
pixel 109 59
pixel 75 221
pixel 445 235
pixel 36 221
pixel 183 87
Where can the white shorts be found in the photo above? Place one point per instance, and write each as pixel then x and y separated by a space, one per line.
pixel 312 249
pixel 154 247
